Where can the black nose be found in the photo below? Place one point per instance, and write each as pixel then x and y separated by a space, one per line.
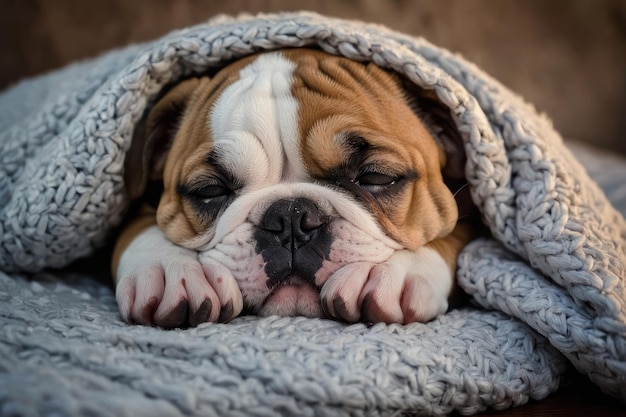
pixel 293 222
pixel 293 238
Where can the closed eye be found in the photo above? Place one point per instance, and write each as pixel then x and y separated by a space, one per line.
pixel 375 178
pixel 375 182
pixel 209 196
pixel 379 180
pixel 207 192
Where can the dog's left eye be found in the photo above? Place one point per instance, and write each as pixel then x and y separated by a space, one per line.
pixel 375 181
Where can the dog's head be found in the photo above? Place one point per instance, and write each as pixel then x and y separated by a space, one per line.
pixel 285 167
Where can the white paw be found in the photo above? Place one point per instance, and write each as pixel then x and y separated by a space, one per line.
pixel 408 287
pixel 162 284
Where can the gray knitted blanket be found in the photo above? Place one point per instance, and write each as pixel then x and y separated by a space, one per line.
pixel 548 290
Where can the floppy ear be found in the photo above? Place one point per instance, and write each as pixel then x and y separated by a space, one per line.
pixel 153 138
pixel 437 118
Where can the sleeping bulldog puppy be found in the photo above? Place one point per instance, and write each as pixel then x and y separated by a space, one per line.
pixel 294 182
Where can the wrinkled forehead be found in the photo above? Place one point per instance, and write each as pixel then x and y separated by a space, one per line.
pixel 254 121
pixel 343 103
pixel 280 115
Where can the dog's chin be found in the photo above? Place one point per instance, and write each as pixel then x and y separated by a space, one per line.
pixel 292 298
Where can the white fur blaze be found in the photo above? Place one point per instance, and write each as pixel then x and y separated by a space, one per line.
pixel 255 123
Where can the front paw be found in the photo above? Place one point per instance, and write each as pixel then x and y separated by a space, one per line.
pixel 408 287
pixel 165 285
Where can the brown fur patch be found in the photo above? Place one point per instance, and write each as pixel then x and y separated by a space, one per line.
pixel 187 157
pixel 338 98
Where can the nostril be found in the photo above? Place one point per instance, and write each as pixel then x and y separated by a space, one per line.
pixel 275 218
pixel 298 218
pixel 306 218
pixel 311 221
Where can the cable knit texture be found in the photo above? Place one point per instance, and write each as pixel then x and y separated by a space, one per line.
pixel 548 288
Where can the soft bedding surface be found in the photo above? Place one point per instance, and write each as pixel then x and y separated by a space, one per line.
pixel 548 289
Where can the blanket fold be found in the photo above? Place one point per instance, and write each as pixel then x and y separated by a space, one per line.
pixel 549 286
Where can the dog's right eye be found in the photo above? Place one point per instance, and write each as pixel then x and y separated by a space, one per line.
pixel 209 196
pixel 212 192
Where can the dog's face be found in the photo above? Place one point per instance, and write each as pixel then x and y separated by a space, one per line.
pixel 287 169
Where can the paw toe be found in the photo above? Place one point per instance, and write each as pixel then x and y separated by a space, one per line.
pixel 146 311
pixel 376 310
pixel 227 313
pixel 176 317
pixel 343 311
pixel 202 314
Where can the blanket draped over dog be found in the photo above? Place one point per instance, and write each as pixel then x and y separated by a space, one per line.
pixel 548 289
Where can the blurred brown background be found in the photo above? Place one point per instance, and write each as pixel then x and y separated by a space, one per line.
pixel 568 57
